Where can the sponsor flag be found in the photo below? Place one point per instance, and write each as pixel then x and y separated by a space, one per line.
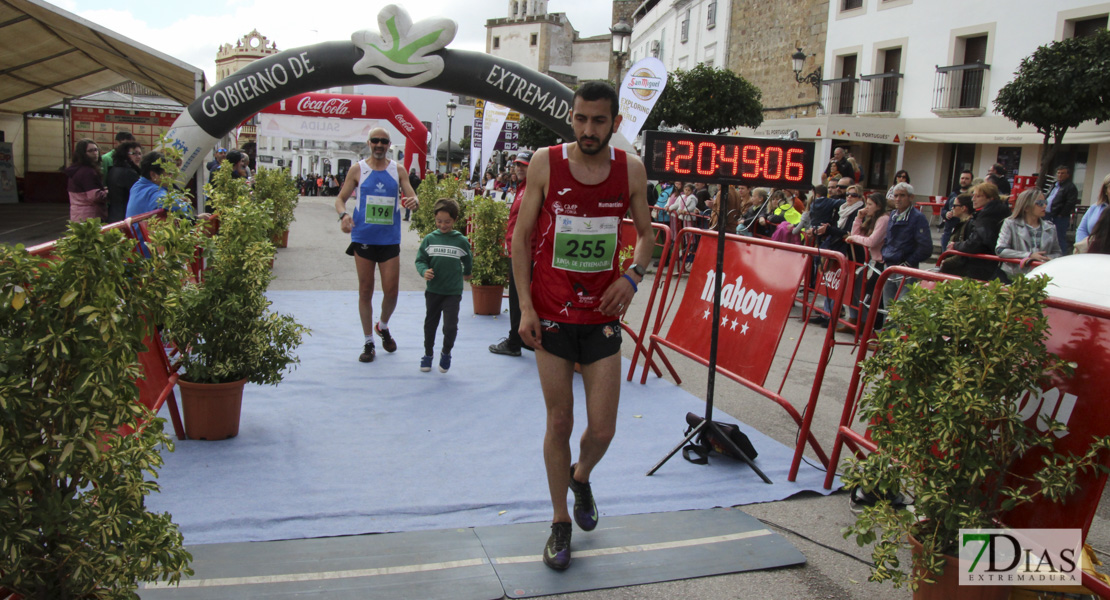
pixel 475 147
pixel 493 120
pixel 640 90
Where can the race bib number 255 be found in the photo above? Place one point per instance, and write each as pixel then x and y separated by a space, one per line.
pixel 585 244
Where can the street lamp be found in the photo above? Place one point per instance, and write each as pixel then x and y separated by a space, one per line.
pixel 622 36
pixel 799 60
pixel 451 106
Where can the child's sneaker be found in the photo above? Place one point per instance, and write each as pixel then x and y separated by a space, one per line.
pixel 444 362
pixel 367 353
pixel 426 363
pixel 387 340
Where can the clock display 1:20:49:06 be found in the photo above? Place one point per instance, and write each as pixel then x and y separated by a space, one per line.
pixel 689 157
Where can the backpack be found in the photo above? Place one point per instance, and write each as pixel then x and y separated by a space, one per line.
pixel 707 443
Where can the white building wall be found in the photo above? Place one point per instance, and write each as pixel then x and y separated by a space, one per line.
pixel 928 33
pixel 663 24
pixel 930 27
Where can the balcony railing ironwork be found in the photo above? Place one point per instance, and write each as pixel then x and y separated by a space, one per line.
pixel 878 93
pixel 838 96
pixel 961 90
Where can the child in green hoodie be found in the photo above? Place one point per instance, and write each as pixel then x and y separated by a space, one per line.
pixel 444 260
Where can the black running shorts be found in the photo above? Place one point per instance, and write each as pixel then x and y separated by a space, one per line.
pixel 376 254
pixel 582 344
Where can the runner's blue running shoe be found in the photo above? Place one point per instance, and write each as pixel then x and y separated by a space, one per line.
pixel 426 363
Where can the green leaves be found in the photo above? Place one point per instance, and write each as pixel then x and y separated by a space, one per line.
pixel 941 402
pixel 224 323
pixel 706 100
pixel 1059 86
pixel 67 370
pixel 489 220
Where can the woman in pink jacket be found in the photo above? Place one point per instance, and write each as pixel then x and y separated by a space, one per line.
pixel 868 230
pixel 88 198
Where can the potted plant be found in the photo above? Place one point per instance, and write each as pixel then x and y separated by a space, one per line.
pixel 280 189
pixel 223 325
pixel 71 491
pixel 490 273
pixel 942 400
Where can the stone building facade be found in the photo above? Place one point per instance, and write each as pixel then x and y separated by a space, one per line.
pixel 548 43
pixel 763 36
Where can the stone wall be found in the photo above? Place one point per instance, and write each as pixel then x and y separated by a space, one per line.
pixel 763 36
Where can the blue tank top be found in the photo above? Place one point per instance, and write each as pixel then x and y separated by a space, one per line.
pixel 377 216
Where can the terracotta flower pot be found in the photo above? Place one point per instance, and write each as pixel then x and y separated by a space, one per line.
pixel 487 299
pixel 212 409
pixel 948 586
pixel 281 239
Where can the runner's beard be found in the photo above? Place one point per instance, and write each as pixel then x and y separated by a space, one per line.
pixel 604 144
pixel 378 154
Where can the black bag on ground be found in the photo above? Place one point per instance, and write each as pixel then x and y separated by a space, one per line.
pixel 707 441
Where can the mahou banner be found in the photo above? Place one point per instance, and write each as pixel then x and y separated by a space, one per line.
pixel 756 296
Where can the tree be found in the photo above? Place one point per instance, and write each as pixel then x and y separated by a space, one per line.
pixel 707 99
pixel 535 135
pixel 1056 88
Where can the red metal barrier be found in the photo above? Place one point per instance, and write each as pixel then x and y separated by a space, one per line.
pixel 760 281
pixel 628 240
pixel 1079 333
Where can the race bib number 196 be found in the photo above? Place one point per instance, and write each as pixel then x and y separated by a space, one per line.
pixel 585 244
pixel 379 210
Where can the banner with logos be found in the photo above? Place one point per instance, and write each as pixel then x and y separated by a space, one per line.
pixel 640 90
pixel 757 293
pixel 315 128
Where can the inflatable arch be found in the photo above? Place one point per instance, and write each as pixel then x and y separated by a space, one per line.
pixel 402 53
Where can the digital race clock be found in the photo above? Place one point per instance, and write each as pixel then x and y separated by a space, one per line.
pixel 689 157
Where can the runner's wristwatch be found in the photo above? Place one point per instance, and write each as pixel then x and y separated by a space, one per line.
pixel 637 269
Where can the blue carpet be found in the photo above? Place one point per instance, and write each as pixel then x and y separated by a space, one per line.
pixel 341 447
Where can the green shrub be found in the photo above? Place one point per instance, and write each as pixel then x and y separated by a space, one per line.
pixel 71 494
pixel 280 189
pixel 489 220
pixel 223 323
pixel 942 400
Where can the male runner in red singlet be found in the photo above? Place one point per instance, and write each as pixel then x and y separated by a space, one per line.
pixel 572 297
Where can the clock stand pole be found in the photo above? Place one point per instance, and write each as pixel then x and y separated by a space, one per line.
pixel 708 424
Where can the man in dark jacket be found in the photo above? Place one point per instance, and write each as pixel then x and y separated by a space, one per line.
pixel 990 211
pixel 907 239
pixel 1062 200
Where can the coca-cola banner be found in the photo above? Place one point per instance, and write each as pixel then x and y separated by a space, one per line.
pixel 400 52
pixel 757 293
pixel 329 111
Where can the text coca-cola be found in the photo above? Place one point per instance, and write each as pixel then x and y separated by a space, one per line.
pixel 331 106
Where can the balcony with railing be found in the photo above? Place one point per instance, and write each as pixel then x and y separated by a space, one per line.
pixel 961 90
pixel 838 96
pixel 878 94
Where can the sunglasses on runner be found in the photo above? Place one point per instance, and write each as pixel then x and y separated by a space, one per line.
pixel 379 140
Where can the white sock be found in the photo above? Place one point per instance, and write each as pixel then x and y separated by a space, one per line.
pixel 383 325
pixel 369 339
